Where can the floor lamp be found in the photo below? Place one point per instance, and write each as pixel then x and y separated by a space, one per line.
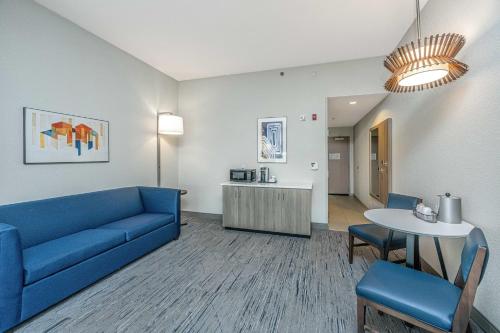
pixel 167 124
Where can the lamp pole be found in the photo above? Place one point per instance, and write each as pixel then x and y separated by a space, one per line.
pixel 158 154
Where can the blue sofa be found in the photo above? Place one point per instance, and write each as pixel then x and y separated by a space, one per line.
pixel 50 249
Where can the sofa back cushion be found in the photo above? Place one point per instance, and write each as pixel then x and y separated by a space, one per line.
pixel 44 220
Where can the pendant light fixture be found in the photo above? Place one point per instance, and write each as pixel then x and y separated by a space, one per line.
pixel 426 63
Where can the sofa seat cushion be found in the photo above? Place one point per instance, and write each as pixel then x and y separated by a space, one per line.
pixel 53 256
pixel 139 225
pixel 377 235
pixel 425 297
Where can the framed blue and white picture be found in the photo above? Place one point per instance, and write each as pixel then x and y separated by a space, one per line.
pixel 271 140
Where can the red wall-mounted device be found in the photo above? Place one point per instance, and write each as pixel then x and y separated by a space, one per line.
pixel 314 116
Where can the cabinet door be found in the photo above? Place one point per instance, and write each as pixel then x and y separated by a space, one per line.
pixel 295 212
pixel 246 207
pixel 230 206
pixel 267 208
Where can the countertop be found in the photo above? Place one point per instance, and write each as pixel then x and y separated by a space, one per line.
pixel 301 186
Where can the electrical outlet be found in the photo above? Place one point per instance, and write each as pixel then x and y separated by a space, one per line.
pixel 314 166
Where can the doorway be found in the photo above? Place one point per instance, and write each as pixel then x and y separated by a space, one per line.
pixel 343 179
pixel 338 165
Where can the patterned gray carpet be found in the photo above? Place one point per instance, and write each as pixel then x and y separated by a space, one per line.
pixel 216 280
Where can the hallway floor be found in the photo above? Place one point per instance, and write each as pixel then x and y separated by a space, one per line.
pixel 344 211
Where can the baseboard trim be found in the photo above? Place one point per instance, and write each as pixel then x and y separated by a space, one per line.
pixel 477 317
pixel 205 216
pixel 269 232
pixel 319 226
pixel 483 322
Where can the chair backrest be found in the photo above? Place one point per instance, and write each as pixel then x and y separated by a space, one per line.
pixel 474 260
pixel 473 242
pixel 400 201
pixel 44 220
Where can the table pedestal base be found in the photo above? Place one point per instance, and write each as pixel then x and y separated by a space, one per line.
pixel 412 251
pixel 413 254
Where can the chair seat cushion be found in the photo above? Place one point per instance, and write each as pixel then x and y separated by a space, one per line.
pixel 139 225
pixel 420 295
pixel 53 256
pixel 377 235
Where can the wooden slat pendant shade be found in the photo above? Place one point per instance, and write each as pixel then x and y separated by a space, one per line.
pixel 434 53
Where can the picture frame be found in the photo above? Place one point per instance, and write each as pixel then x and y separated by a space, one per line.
pixel 58 138
pixel 272 140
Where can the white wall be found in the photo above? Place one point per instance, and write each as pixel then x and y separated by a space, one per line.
pixel 447 139
pixel 220 116
pixel 349 132
pixel 46 62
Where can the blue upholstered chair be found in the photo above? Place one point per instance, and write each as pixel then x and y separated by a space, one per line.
pixel 425 300
pixel 383 239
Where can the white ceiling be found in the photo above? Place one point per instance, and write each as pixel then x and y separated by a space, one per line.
pixel 189 39
pixel 343 114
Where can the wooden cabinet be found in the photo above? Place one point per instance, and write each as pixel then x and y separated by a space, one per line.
pixel 246 206
pixel 266 208
pixel 295 212
pixel 283 210
pixel 230 206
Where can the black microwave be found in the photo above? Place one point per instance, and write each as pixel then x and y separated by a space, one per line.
pixel 242 175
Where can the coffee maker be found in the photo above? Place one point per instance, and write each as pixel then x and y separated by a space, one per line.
pixel 264 175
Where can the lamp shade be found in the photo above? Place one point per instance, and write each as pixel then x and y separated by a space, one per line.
pixel 170 124
pixel 425 64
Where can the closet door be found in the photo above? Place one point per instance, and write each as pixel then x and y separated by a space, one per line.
pixel 380 161
pixel 384 161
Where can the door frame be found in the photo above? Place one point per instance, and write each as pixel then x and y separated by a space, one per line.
pixel 387 123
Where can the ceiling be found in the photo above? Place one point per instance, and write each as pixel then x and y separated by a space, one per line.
pixel 343 114
pixel 189 39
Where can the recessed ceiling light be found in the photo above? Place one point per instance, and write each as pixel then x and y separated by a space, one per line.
pixel 353 102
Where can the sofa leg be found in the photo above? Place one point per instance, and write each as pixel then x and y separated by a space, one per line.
pixel 361 316
pixel 351 248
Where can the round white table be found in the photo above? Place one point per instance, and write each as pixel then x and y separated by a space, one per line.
pixel 404 221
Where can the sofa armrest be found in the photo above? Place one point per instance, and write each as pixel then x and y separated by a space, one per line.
pixel 162 201
pixel 11 276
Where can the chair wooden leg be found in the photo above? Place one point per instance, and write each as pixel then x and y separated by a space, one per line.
pixel 361 316
pixel 382 253
pixel 351 248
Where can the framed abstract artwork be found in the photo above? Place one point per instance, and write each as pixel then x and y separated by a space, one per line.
pixel 271 140
pixel 51 137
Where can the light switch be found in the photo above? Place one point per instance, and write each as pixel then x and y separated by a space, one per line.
pixel 302 117
pixel 314 166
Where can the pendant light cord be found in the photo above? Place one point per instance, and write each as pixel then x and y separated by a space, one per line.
pixel 419 32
